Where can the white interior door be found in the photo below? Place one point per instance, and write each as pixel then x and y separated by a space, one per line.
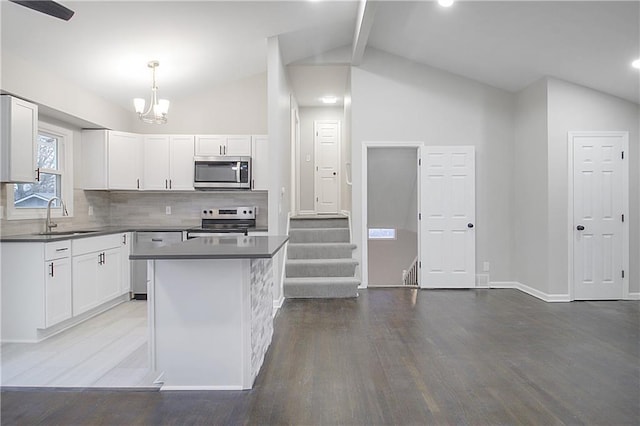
pixel 598 208
pixel 448 217
pixel 327 145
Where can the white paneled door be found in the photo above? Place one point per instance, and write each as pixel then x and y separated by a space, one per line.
pixel 448 217
pixel 327 146
pixel 598 208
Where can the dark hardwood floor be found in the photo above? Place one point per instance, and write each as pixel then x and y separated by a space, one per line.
pixel 399 356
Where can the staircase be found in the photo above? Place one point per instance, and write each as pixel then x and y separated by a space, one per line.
pixel 319 263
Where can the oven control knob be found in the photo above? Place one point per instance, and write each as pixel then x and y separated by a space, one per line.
pixel 204 212
pixel 244 211
pixel 210 211
pixel 249 211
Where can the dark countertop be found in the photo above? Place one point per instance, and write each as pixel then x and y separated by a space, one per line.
pixel 95 232
pixel 233 247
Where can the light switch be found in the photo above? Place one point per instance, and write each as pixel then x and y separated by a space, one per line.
pixel 167 209
pixel 90 210
pixel 485 266
pixel 307 158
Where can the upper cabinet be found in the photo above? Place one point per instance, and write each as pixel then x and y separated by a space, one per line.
pixel 168 162
pixel 112 160
pixel 260 163
pixel 223 145
pixel 18 138
pixel 126 161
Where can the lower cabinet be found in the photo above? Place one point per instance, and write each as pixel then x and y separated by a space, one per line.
pixel 45 284
pixel 96 274
pixel 57 291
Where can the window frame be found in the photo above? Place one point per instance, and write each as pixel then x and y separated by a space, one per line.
pixel 65 170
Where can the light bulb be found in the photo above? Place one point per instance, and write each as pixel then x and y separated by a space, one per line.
pixel 445 3
pixel 636 64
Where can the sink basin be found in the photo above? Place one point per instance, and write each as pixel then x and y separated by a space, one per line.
pixel 63 233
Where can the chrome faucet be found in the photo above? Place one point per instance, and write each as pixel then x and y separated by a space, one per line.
pixel 48 225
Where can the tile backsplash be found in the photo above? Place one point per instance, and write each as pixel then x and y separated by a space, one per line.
pixel 137 209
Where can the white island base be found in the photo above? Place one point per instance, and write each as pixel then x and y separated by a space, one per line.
pixel 210 320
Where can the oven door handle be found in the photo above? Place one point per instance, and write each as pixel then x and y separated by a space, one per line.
pixel 238 171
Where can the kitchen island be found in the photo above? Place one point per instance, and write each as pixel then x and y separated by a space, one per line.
pixel 210 307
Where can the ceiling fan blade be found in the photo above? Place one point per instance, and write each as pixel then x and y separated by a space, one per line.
pixel 48 7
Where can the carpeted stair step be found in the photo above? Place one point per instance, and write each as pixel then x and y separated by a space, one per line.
pixel 318 235
pixel 320 250
pixel 320 268
pixel 321 287
pixel 314 222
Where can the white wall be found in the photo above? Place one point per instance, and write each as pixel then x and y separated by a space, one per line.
pixel 307 176
pixel 279 129
pixel 576 108
pixel 394 99
pixel 530 188
pixel 237 107
pixel 26 80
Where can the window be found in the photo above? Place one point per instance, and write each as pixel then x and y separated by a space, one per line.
pixel 53 157
pixel 382 233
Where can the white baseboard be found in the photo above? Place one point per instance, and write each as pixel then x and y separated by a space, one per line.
pixel 634 296
pixel 552 298
pixel 277 304
pixel 306 212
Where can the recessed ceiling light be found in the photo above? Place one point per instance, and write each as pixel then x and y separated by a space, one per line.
pixel 445 3
pixel 329 99
pixel 636 64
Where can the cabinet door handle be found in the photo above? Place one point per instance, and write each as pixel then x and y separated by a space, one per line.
pixel 63 249
pixel 38 174
pixel 138 183
pixel 51 269
pixel 156 240
pixel 124 239
pixel 220 149
pixel 169 183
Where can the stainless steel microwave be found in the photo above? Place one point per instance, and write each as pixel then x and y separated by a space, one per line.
pixel 222 172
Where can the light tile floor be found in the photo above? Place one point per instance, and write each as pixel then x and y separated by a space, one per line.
pixel 109 350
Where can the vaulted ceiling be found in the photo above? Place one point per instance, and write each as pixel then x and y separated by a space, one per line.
pixel 105 47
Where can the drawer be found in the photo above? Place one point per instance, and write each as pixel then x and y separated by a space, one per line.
pixel 57 250
pixel 93 244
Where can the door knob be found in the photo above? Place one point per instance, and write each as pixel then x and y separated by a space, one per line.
pixel 334 173
pixel 580 228
pixel 469 225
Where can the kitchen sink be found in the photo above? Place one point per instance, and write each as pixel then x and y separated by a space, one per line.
pixel 63 233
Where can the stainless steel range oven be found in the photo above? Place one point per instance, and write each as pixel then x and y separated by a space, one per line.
pixel 224 221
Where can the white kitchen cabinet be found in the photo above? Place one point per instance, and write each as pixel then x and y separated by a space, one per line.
pixel 156 162
pixel 112 160
pixel 57 283
pixel 36 288
pixel 125 263
pixel 96 266
pixel 223 145
pixel 260 163
pixel 18 139
pixel 168 162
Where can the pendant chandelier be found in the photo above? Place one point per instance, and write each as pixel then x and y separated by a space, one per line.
pixel 157 111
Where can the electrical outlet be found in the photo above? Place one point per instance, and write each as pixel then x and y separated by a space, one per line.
pixel 485 267
pixel 167 210
pixel 90 210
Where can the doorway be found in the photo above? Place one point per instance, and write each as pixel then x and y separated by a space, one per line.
pixel 391 235
pixel 598 215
